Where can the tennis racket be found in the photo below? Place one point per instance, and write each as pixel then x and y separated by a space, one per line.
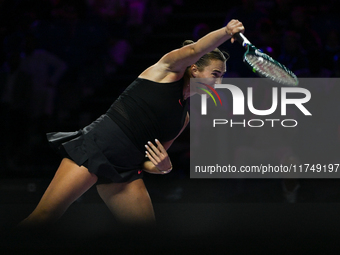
pixel 265 66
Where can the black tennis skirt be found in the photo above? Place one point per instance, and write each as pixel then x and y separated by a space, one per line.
pixel 103 148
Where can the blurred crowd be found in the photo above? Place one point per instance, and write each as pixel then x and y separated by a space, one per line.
pixel 56 54
pixel 305 38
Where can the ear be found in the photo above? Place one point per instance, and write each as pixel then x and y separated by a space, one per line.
pixel 193 70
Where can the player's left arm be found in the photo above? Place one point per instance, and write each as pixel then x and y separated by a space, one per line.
pixel 159 160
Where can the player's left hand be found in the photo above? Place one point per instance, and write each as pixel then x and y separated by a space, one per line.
pixel 158 156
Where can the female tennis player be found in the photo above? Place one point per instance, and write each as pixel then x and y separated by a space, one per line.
pixel 141 124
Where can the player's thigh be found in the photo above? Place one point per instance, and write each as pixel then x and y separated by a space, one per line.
pixel 128 201
pixel 68 184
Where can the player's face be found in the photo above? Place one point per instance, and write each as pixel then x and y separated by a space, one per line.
pixel 214 71
pixel 211 75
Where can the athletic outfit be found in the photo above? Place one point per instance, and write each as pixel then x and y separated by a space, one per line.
pixel 113 146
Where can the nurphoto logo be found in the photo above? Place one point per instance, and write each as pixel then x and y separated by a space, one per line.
pixel 238 104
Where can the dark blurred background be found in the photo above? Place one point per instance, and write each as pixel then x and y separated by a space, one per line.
pixel 63 63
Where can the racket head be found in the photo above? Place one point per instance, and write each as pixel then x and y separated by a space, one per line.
pixel 265 66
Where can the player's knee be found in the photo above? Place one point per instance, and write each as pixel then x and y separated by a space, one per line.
pixel 46 215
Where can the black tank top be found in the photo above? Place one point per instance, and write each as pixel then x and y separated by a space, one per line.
pixel 149 110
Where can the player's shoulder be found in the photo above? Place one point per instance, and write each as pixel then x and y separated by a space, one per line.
pixel 159 72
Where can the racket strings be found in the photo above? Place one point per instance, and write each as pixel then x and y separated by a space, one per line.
pixel 270 70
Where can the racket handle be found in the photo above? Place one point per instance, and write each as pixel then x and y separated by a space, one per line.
pixel 241 39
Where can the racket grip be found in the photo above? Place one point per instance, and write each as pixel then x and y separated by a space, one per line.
pixel 241 39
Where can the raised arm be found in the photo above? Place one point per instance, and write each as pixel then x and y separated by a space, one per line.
pixel 178 60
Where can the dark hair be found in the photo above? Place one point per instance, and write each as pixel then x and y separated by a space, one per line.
pixel 205 59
